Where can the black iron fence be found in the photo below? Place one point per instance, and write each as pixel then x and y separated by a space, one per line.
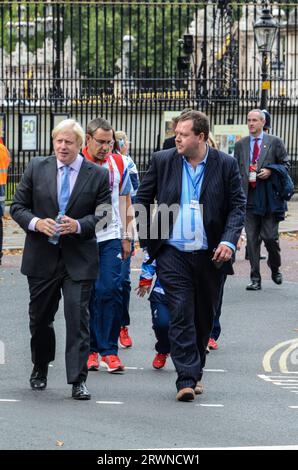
pixel 135 63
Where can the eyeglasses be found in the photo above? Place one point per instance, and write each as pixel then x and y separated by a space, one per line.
pixel 101 143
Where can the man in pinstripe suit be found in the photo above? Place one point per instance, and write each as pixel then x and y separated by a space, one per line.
pixel 199 242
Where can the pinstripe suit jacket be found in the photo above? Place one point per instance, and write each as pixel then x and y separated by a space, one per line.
pixel 221 195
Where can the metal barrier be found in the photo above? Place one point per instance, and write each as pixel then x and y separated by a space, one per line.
pixel 134 61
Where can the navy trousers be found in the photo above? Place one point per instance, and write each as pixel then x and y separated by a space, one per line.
pixel 126 290
pixel 160 323
pixel 216 329
pixel 192 285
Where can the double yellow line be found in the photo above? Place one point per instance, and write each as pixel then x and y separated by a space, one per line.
pixel 283 360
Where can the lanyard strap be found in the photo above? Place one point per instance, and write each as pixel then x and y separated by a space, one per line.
pixel 198 180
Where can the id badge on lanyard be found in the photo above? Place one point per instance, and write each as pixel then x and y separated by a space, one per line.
pixel 194 204
pixel 252 176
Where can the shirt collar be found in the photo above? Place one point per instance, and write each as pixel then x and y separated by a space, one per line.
pixel 202 161
pixel 260 137
pixel 75 165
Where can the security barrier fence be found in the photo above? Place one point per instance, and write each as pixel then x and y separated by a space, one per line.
pixel 137 63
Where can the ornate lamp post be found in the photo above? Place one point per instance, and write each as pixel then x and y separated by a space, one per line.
pixel 265 29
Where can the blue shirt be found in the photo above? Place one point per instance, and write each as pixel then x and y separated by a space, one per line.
pixel 188 232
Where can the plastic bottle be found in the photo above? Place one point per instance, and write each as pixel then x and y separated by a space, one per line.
pixel 54 239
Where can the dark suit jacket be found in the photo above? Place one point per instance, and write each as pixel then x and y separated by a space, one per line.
pixel 272 151
pixel 221 195
pixel 169 143
pixel 36 195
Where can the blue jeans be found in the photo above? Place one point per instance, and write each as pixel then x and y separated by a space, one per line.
pixel 126 289
pixel 106 300
pixel 160 324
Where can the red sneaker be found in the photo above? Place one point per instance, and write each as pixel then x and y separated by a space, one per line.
pixel 212 344
pixel 112 363
pixel 125 340
pixel 92 363
pixel 159 361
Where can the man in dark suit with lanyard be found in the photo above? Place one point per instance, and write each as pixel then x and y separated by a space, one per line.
pixel 68 184
pixel 254 153
pixel 203 187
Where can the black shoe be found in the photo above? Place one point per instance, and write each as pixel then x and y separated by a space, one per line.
pixel 38 378
pixel 254 285
pixel 80 391
pixel 277 277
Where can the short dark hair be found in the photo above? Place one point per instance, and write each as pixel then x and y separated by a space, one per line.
pixel 98 123
pixel 200 122
pixel 267 124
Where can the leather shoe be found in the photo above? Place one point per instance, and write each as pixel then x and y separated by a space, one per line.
pixel 277 277
pixel 186 394
pixel 199 388
pixel 80 391
pixel 254 285
pixel 38 378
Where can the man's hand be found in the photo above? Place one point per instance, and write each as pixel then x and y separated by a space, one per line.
pixel 126 248
pixel 264 173
pixel 142 290
pixel 46 226
pixel 222 253
pixel 68 226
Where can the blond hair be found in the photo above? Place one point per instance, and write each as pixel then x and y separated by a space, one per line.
pixel 70 125
pixel 120 135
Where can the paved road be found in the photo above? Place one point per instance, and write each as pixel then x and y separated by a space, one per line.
pixel 244 403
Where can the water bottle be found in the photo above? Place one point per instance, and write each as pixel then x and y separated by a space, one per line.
pixel 54 239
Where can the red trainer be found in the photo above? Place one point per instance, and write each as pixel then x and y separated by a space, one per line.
pixel 112 363
pixel 159 361
pixel 125 340
pixel 92 363
pixel 212 344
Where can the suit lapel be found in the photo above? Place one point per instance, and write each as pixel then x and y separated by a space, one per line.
pixel 264 149
pixel 246 154
pixel 81 180
pixel 177 178
pixel 210 167
pixel 51 177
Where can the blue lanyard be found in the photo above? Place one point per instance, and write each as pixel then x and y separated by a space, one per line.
pixel 196 183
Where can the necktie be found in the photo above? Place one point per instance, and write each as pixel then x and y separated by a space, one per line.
pixel 65 189
pixel 255 153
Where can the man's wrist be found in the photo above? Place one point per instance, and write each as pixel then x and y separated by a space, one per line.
pixel 126 236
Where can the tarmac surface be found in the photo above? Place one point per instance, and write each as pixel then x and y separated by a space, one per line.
pixel 250 398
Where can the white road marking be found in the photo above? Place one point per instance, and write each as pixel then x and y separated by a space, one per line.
pixel 110 402
pixel 214 370
pixel 282 382
pixel 134 368
pixel 7 400
pixel 211 405
pixel 295 407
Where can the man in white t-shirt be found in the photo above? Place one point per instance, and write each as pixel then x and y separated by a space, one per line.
pixel 114 244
